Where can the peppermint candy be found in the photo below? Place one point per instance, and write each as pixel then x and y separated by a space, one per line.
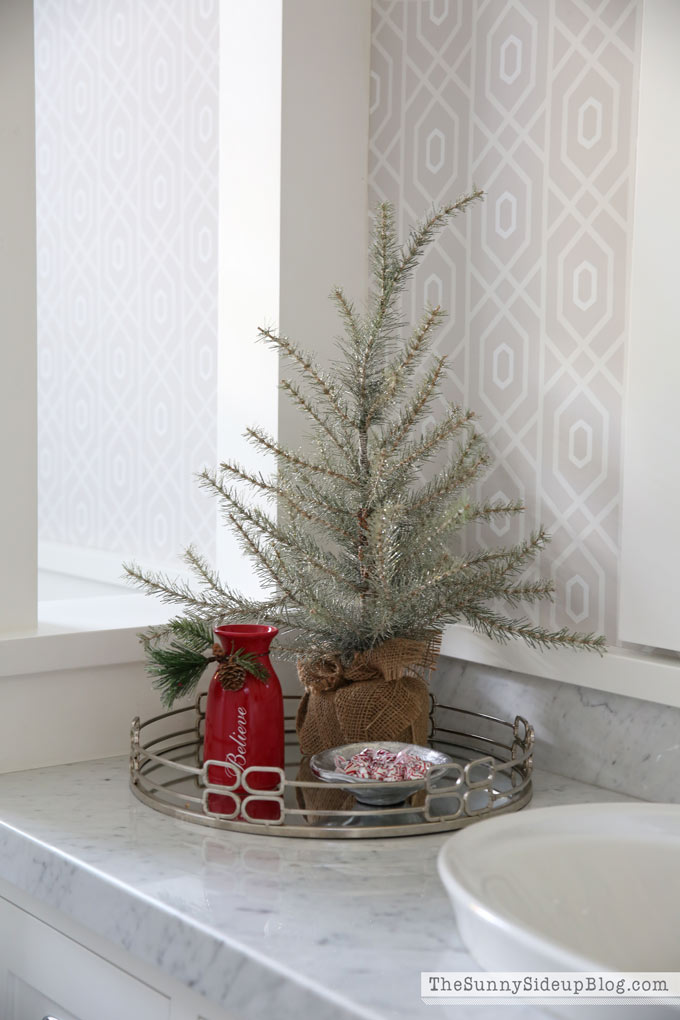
pixel 378 763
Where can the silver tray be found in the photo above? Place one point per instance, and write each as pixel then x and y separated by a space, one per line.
pixel 490 774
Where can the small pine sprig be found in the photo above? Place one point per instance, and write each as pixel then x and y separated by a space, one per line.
pixel 176 658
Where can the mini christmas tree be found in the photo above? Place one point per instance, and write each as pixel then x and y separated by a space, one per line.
pixel 364 552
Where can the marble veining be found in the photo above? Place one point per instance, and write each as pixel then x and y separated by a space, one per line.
pixel 324 928
pixel 609 740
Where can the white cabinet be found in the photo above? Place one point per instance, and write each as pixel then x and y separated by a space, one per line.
pixel 45 972
pixel 24 1000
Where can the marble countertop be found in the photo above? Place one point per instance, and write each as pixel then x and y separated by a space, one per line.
pixel 325 928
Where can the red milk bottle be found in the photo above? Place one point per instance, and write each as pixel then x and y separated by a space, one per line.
pixel 245 727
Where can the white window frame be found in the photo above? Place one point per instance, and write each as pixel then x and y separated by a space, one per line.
pixel 18 393
pixel 270 184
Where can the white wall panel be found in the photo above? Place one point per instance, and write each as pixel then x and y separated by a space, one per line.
pixel 650 565
pixel 18 546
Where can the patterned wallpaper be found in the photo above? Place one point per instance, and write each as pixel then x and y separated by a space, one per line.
pixel 126 96
pixel 535 101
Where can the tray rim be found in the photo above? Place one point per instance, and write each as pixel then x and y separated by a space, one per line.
pixel 514 759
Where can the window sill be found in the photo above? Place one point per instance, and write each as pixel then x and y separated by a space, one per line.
pixel 81 633
pixel 75 633
pixel 649 676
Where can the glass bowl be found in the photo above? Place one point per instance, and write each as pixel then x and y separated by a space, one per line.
pixel 377 792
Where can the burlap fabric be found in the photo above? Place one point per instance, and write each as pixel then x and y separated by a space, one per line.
pixel 382 694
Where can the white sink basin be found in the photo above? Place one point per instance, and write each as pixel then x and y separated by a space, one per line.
pixel 591 887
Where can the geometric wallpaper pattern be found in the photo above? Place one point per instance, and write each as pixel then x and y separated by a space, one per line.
pixel 127 173
pixel 535 102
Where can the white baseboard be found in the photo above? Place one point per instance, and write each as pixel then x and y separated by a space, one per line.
pixel 72 715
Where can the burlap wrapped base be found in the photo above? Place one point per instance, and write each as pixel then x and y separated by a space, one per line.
pixel 381 695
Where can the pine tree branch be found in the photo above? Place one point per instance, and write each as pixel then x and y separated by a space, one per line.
pixel 529 591
pixel 393 266
pixel 484 512
pixel 471 460
pixel 429 514
pixel 416 407
pixel 253 516
pixel 208 479
pixel 301 504
pixel 176 670
pixel 469 513
pixel 456 584
pixel 433 582
pixel 425 232
pixel 209 578
pixel 437 527
pixel 300 588
pixel 281 538
pixel 384 251
pixel 399 373
pixel 503 628
pixel 297 501
pixel 342 443
pixel 161 632
pixel 264 566
pixel 171 590
pixel 384 554
pixel 487 511
pixel 265 442
pixel 310 369
pixel 320 497
pixel 349 316
pixel 196 634
pixel 383 323
pixel 425 447
pixel 509 561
